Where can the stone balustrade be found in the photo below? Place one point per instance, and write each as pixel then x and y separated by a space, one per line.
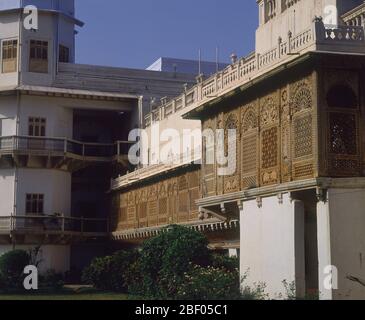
pixel 175 161
pixel 355 17
pixel 345 33
pixel 247 68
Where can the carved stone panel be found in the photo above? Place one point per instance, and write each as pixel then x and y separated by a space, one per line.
pixel 232 151
pixel 270 140
pixel 249 146
pixel 208 176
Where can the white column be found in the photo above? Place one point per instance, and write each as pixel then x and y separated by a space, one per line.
pixel 299 247
pixel 272 244
pixel 324 247
pixel 232 253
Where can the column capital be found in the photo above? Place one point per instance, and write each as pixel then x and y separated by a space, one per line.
pixel 240 205
pixel 321 195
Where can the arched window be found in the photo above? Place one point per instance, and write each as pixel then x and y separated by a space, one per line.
pixel 341 96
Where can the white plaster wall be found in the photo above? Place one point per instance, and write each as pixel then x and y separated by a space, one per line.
pixel 268 251
pixel 7 178
pixel 45 32
pixel 66 36
pixel 9 29
pixel 55 30
pixel 51 256
pixel 8 110
pixel 56 258
pixel 341 241
pixel 178 124
pixel 52 28
pixel 55 185
pixel 297 18
pixel 59 120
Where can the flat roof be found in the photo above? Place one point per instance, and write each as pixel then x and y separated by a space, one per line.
pixel 71 92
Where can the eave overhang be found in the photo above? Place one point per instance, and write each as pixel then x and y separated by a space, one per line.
pixel 155 178
pixel 67 93
pixel 66 16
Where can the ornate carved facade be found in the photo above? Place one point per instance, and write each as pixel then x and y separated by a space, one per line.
pixel 168 201
pixel 275 134
pixel 307 127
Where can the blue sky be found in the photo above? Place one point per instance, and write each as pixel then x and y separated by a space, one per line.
pixel 134 33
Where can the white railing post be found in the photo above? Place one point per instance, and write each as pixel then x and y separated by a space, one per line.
pixel 118 148
pixel 199 80
pixel 13 143
pixel 290 36
pixel 280 40
pixel 319 30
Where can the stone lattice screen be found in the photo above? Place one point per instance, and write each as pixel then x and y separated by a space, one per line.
pixel 168 201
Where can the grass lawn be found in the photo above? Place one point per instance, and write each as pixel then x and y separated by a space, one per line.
pixel 67 294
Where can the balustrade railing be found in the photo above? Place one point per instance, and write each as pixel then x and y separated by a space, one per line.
pixel 53 224
pixel 244 70
pixel 192 156
pixel 345 33
pixel 40 145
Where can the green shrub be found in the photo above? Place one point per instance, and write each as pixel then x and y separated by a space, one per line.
pixel 12 265
pixel 98 272
pixel 165 259
pixel 253 292
pixel 51 279
pixel 222 261
pixel 2 282
pixel 176 264
pixel 209 283
pixel 111 272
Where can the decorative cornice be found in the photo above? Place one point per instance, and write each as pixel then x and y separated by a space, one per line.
pixel 143 233
pixel 280 189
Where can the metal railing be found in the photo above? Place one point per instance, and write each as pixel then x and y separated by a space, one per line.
pixel 58 224
pixel 39 145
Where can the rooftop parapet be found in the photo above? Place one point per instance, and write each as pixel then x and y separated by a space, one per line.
pixel 317 38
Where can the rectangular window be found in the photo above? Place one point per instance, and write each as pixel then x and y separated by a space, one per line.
pixel 34 204
pixel 38 60
pixel 9 56
pixel 64 54
pixel 37 127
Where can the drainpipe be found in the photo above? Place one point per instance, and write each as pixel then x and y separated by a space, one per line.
pixel 56 41
pixel 140 112
pixel 20 46
pixel 17 117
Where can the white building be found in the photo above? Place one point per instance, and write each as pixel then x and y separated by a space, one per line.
pixel 296 198
pixel 62 127
pixel 186 66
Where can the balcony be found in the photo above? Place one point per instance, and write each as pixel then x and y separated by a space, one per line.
pixel 53 225
pixel 61 153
